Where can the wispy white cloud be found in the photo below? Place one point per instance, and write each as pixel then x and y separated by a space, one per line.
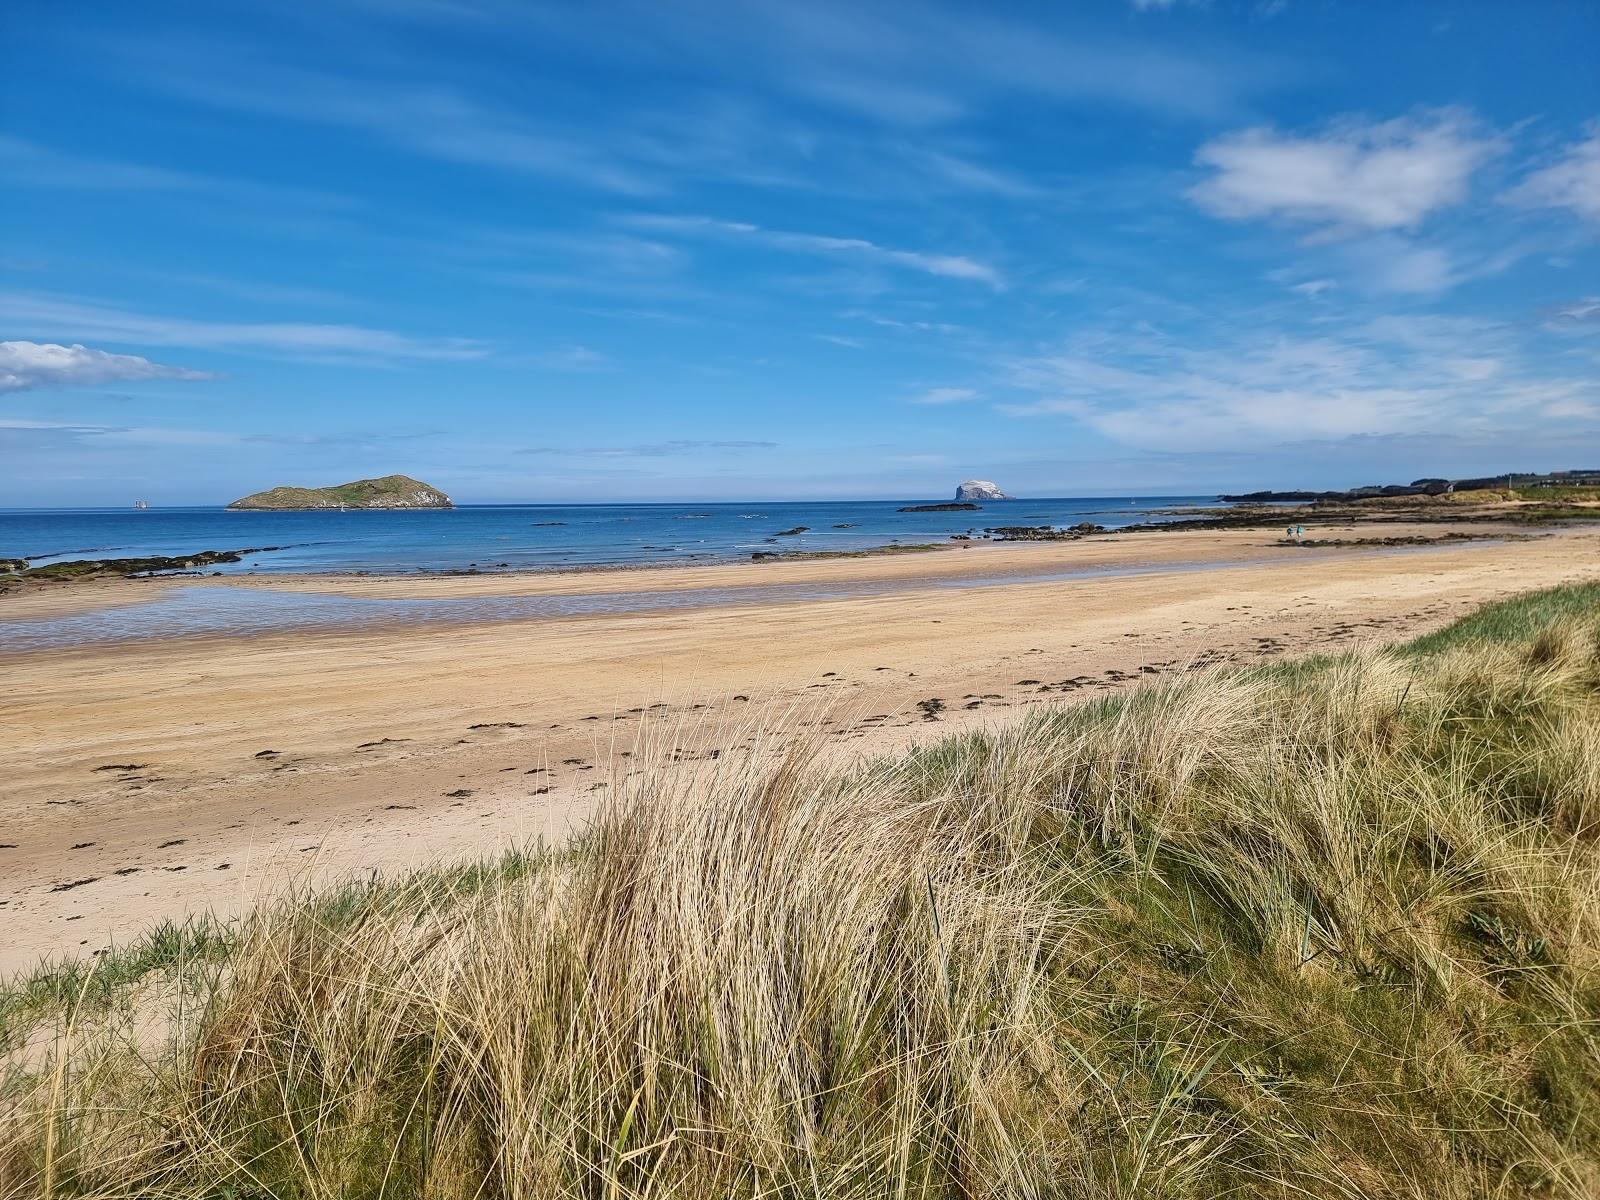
pixel 975 55
pixel 1386 263
pixel 949 266
pixel 436 121
pixel 572 358
pixel 51 315
pixel 1353 176
pixel 961 172
pixel 26 365
pixel 28 164
pixel 1571 182
pixel 909 326
pixel 39 434
pixel 1393 376
pixel 1579 316
pixel 48 434
pixel 651 449
pixel 1313 287
pixel 887 100
pixel 945 395
pixel 916 65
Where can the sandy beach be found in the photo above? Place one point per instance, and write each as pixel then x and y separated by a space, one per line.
pixel 150 779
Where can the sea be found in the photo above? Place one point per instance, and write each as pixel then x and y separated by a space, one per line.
pixel 493 537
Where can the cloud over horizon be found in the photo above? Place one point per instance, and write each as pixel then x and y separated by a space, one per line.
pixel 1394 376
pixel 331 341
pixel 28 365
pixel 1354 176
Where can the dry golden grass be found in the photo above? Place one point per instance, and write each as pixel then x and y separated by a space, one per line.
pixel 1326 929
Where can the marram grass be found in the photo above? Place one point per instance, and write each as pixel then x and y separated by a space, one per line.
pixel 1329 932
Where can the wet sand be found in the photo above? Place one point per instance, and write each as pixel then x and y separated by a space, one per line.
pixel 151 779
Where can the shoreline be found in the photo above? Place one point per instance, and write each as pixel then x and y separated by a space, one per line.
pixel 1422 513
pixel 762 583
pixel 151 779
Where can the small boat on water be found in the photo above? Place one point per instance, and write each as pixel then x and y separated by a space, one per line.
pixel 141 504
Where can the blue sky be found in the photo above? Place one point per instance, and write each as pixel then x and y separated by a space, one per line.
pixel 622 251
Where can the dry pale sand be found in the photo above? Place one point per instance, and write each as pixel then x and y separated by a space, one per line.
pixel 149 780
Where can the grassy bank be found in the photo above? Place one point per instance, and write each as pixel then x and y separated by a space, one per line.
pixel 1564 495
pixel 1321 929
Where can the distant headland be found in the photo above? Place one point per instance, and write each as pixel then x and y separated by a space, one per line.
pixel 1511 481
pixel 391 491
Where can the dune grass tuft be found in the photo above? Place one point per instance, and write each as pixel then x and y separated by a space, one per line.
pixel 1329 931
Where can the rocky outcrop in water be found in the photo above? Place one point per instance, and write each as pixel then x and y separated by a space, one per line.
pixel 939 508
pixel 1043 533
pixel 391 491
pixel 90 568
pixel 979 489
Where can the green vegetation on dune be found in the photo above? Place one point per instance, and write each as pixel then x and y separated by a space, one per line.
pixel 1520 619
pixel 1326 929
pixel 1566 495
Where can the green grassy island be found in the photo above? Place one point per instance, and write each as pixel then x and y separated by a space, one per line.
pixel 391 491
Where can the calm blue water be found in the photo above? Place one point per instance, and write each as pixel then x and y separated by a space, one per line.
pixel 526 536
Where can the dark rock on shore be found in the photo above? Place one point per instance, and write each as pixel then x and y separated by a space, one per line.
pixel 796 531
pixel 947 507
pixel 1402 540
pixel 870 552
pixel 86 568
pixel 1044 533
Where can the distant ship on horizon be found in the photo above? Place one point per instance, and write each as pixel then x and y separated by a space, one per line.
pixel 141 504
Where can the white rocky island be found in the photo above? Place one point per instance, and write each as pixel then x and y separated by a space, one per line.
pixel 979 489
